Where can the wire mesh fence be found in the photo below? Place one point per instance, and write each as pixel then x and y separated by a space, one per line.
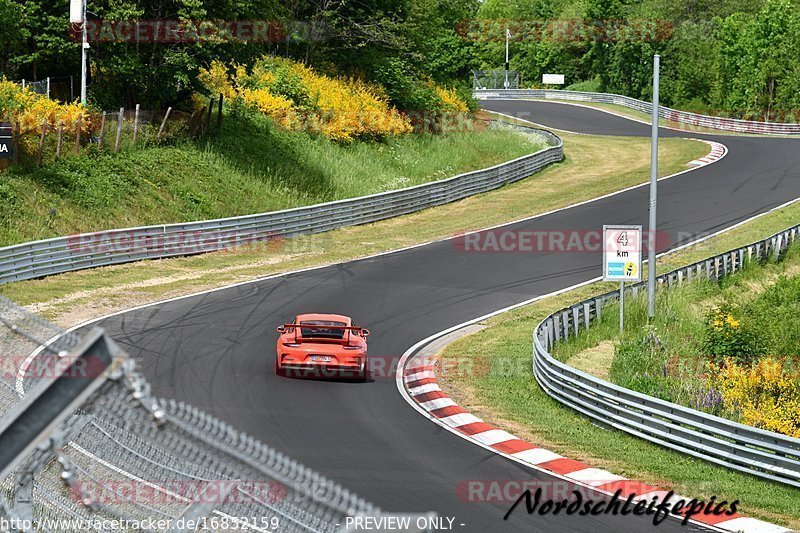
pixel 495 79
pixel 58 88
pixel 125 459
pixel 44 141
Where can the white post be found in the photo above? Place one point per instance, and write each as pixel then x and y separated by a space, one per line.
pixel 48 86
pixel 84 46
pixel 23 84
pixel 508 34
pixel 651 241
pixel 621 306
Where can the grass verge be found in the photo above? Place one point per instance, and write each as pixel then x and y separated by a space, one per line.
pixel 515 402
pixel 593 166
pixel 250 166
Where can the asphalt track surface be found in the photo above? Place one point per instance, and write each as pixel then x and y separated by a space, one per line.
pixel 216 350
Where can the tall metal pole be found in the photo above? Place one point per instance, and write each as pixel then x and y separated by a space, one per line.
pixel 651 241
pixel 508 34
pixel 84 45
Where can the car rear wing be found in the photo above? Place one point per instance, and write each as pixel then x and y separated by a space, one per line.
pixel 363 332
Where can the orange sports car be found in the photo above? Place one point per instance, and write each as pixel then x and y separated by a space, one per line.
pixel 322 344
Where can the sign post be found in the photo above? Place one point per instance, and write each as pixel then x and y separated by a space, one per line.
pixel 508 36
pixel 622 259
pixel 77 15
pixel 651 227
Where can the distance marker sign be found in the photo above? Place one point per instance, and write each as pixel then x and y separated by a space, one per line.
pixel 622 253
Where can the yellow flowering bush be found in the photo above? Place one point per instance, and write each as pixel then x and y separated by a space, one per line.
pixel 31 109
pixel 765 394
pixel 216 80
pixel 277 107
pixel 299 98
pixel 725 336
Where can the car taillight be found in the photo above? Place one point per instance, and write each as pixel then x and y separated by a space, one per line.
pixel 349 347
pixel 291 344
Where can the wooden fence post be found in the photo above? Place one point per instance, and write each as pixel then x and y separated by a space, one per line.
pixel 41 142
pixel 219 112
pixel 163 122
pixel 78 134
pixel 120 118
pixel 60 135
pixel 136 125
pixel 102 131
pixel 208 118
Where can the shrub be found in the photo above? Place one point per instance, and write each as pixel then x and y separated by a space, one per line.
pixel 775 315
pixel 591 86
pixel 32 109
pixel 450 99
pixel 725 337
pixel 409 91
pixel 298 98
pixel 8 195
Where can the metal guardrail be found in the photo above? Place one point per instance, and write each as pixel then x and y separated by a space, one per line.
pixel 674 115
pixel 63 254
pixel 744 448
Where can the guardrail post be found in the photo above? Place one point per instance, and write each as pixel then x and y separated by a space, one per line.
pixel 556 329
pixel 575 324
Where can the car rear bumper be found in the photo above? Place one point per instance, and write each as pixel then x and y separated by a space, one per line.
pixel 300 368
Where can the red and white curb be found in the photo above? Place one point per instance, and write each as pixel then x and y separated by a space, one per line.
pixel 419 378
pixel 718 151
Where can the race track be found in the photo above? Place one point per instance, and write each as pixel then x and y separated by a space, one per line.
pixel 216 350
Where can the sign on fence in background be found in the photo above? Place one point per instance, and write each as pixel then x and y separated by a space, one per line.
pixel 5 140
pixel 622 253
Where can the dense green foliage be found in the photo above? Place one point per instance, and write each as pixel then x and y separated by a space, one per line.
pixel 735 56
pixel 373 39
pixel 739 56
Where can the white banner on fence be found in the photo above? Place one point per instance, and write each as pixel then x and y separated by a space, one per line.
pixel 553 79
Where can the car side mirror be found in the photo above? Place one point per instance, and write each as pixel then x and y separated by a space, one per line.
pixel 281 328
pixel 365 332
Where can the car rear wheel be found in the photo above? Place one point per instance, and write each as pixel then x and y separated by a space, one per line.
pixel 278 370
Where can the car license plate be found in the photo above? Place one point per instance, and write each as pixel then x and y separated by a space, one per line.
pixel 321 358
